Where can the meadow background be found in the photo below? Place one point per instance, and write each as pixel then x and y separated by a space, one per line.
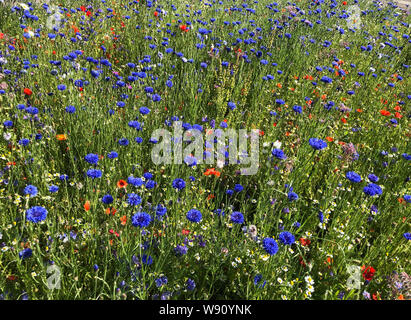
pixel 82 92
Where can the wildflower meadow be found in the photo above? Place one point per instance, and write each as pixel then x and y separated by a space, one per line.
pixel 205 150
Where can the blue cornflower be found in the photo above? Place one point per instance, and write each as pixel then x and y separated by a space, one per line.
pixel 298 109
pixel 133 199
pixel 407 235
pixel 161 281
pixel 353 176
pixel 24 142
pixel 373 178
pixel 94 173
pixel 270 246
pixel 194 215
pixel 112 155
pixel 372 189
pixel 156 97
pixel 257 279
pixel 317 144
pixel 30 190
pixel 137 182
pixel 148 175
pixel 107 199
pixel 8 123
pixel 36 214
pixel 179 184
pixel 148 260
pixel 238 188
pixel 286 238
pixel 61 87
pixel 279 154
pixel 406 156
pixel 91 158
pixel 326 79
pixel 407 198
pixel 321 216
pixel 53 188
pixel 25 253
pixel 190 161
pixel 292 196
pixel 144 110
pixel 70 109
pixel 237 217
pixel 160 210
pixel 123 142
pixel 190 284
pixel 135 125
pixel 150 184
pixel 141 219
pixel 32 110
pixel 231 105
pixel 180 250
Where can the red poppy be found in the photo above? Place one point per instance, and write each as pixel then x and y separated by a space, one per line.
pixel 27 91
pixel 398 115
pixel 212 171
pixel 385 112
pixel 368 273
pixel 121 183
pixel 305 242
pixel 111 210
pixel 87 205
pixel 61 137
pixel 155 13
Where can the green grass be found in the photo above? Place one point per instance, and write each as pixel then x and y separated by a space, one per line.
pixel 351 233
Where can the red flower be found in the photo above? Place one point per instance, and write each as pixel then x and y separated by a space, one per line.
pixel 121 183
pixel 305 242
pixel 212 171
pixel 344 3
pixel 87 205
pixel 27 91
pixel 398 115
pixel 155 13
pixel 368 273
pixel 385 113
